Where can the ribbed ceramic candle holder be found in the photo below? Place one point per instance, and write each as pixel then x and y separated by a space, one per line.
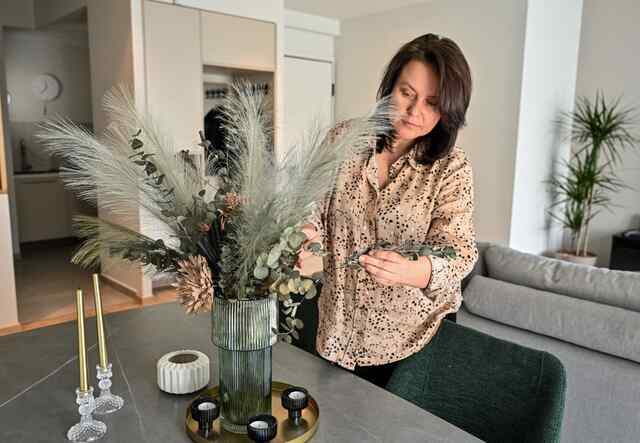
pixel 183 372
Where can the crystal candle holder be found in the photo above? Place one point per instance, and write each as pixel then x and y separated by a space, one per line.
pixel 87 429
pixel 107 402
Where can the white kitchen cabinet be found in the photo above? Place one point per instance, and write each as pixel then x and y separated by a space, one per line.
pixel 174 70
pixel 45 208
pixel 236 42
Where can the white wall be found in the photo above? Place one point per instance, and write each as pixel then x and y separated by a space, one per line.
pixel 610 61
pixel 112 63
pixel 65 54
pixel 5 137
pixel 491 34
pixel 8 304
pixel 548 88
pixel 48 11
pixel 36 13
pixel 18 13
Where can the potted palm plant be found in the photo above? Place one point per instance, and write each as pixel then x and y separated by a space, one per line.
pixel 600 131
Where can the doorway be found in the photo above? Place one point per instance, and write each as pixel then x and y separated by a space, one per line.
pixel 47 72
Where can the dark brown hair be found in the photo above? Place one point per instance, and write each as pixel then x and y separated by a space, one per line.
pixel 454 92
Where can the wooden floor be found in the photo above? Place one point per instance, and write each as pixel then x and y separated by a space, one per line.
pixel 46 283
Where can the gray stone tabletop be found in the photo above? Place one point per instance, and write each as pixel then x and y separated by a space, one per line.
pixel 39 375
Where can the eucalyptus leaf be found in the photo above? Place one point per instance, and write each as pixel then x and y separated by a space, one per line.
pixel 136 143
pixel 274 257
pixel 311 293
pixel 260 273
pixel 306 284
pixel 296 239
pixel 284 289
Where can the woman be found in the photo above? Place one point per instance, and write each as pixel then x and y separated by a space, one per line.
pixel 416 186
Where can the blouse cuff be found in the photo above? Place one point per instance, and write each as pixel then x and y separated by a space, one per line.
pixel 439 273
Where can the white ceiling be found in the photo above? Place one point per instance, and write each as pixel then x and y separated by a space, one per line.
pixel 342 9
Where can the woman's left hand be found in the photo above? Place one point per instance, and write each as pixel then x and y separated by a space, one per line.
pixel 389 268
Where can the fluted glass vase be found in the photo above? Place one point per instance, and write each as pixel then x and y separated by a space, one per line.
pixel 243 332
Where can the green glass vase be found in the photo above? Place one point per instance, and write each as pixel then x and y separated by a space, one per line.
pixel 242 330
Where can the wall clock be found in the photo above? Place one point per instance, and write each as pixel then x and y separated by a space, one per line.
pixel 46 87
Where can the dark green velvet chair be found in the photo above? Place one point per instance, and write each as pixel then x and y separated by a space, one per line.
pixel 496 390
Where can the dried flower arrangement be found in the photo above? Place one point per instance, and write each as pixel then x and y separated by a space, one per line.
pixel 229 225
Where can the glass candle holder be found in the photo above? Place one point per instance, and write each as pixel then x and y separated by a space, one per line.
pixel 87 429
pixel 107 402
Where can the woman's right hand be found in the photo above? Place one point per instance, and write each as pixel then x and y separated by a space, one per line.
pixel 313 236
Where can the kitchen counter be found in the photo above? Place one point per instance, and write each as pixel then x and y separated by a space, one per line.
pixel 38 176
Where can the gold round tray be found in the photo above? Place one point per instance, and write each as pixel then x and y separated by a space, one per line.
pixel 310 416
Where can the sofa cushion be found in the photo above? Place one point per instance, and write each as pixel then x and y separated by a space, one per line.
pixel 604 328
pixel 615 288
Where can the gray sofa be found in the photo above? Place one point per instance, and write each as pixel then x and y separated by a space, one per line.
pixel 587 317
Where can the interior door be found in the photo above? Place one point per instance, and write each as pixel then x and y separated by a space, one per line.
pixel 307 96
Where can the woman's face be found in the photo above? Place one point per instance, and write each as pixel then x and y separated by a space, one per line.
pixel 415 95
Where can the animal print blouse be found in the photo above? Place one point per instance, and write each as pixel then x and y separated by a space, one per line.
pixel 362 322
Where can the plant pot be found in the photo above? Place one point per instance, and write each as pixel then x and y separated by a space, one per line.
pixel 589 259
pixel 243 332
